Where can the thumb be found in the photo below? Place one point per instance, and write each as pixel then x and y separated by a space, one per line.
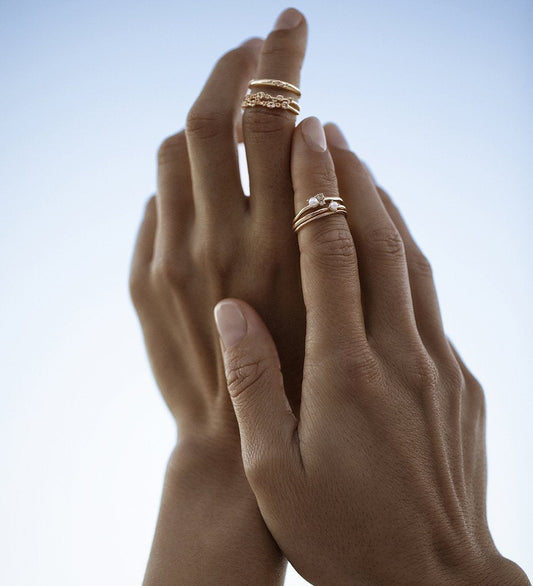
pixel 253 374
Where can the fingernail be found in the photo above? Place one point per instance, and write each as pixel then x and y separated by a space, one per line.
pixel 314 134
pixel 336 138
pixel 254 43
pixel 230 322
pixel 289 18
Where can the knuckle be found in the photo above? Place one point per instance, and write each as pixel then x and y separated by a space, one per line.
pixel 280 44
pixel 477 394
pixel 211 258
pixel 427 374
pixel 331 246
pixel 420 266
pixel 170 272
pixel 423 374
pixel 363 365
pixel 452 373
pixel 171 148
pixel 244 374
pixel 264 122
pixel 137 288
pixel 206 123
pixel 262 468
pixel 384 241
pixel 324 176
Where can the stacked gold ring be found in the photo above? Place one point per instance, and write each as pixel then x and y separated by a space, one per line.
pixel 261 98
pixel 268 101
pixel 318 206
pixel 282 85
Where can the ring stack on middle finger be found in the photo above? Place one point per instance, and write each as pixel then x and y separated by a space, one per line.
pixel 261 98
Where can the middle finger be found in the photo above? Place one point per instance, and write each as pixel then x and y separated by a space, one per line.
pixel 268 132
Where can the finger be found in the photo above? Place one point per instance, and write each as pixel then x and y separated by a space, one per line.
pixel 388 307
pixel 211 135
pixel 469 378
pixel 328 261
pixel 144 249
pixel 423 291
pixel 266 422
pixel 174 193
pixel 268 132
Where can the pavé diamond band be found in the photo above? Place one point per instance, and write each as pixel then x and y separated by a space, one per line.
pixel 252 100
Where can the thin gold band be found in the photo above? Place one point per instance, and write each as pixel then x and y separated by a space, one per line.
pixel 319 214
pixel 315 214
pixel 277 83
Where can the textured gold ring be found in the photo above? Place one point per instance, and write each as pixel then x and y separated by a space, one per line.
pixel 253 100
pixel 277 83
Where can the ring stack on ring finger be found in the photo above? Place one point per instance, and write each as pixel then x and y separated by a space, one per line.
pixel 262 98
pixel 318 206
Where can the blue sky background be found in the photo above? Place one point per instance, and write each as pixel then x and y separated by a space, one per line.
pixel 435 96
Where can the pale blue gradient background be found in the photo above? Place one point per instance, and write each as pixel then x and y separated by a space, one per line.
pixel 435 96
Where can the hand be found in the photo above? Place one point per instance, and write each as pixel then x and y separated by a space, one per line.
pixel 381 477
pixel 201 239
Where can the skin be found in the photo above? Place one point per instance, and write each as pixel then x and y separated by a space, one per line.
pixel 201 239
pixel 371 468
pixel 381 477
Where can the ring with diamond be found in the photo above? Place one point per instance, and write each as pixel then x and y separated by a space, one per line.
pixel 277 83
pixel 252 100
pixel 316 206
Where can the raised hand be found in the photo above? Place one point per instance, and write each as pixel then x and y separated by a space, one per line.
pixel 381 477
pixel 202 239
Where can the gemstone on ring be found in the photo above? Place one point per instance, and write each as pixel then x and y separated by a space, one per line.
pixel 313 202
pixel 333 206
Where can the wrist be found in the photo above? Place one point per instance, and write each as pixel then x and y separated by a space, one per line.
pixel 207 458
pixel 209 513
pixel 210 471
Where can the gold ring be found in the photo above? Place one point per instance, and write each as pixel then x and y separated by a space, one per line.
pixel 320 214
pixel 318 206
pixel 284 85
pixel 252 100
pixel 319 200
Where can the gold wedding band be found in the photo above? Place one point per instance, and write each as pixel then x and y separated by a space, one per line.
pixel 318 206
pixel 252 100
pixel 277 83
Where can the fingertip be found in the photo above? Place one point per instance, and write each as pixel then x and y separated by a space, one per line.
pixel 231 322
pixel 254 43
pixel 335 137
pixel 289 18
pixel 313 134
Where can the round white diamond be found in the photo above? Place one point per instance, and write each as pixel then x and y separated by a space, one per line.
pixel 313 202
pixel 333 206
